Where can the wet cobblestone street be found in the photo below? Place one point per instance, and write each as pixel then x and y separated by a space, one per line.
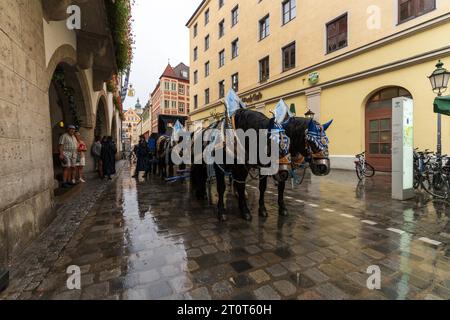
pixel 152 240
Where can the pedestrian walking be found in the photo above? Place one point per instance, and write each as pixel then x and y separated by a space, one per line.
pixel 81 158
pixel 108 155
pixel 96 152
pixel 142 153
pixel 152 161
pixel 68 151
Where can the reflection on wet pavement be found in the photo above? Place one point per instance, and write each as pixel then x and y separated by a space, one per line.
pixel 151 240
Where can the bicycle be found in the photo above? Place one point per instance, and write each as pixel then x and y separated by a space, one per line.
pixel 363 168
pixel 431 173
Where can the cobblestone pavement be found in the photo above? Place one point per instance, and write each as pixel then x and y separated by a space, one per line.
pixel 151 240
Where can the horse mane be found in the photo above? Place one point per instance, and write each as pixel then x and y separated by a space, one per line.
pixel 249 119
pixel 296 131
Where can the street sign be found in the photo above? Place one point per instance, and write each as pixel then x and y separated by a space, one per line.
pixel 402 148
pixel 442 105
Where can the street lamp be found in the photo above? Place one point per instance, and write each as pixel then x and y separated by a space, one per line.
pixel 439 82
pixel 310 114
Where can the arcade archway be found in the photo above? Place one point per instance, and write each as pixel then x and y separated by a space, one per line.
pixel 67 107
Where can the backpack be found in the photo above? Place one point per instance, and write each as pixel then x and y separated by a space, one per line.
pixel 152 145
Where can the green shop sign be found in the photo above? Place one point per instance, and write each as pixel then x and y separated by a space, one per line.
pixel 442 105
pixel 313 78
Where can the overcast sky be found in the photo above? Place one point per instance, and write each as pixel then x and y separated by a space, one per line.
pixel 161 34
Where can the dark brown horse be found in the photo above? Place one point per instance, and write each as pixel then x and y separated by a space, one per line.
pixel 244 120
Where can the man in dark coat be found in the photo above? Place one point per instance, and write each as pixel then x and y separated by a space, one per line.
pixel 108 156
pixel 142 153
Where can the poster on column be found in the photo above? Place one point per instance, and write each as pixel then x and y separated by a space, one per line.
pixel 402 148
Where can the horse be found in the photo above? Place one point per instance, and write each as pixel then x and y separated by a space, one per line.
pixel 308 142
pixel 165 146
pixel 245 120
pixel 163 151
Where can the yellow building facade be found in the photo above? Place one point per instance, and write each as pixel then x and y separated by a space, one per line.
pixel 349 59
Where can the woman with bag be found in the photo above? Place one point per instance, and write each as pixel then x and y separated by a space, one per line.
pixel 81 157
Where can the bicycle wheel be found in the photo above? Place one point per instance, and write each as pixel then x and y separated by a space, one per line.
pixel 370 171
pixel 440 185
pixel 360 172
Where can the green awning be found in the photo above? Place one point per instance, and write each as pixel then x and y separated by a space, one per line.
pixel 442 105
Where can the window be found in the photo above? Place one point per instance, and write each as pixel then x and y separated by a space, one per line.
pixel 195 30
pixel 166 104
pixel 264 69
pixel 181 108
pixel 207 69
pixel 264 27
pixel 337 34
pixel 380 137
pixel 181 89
pixel 221 3
pixel 234 48
pixel 166 85
pixel 207 42
pixel 207 96
pixel 235 82
pixel 221 58
pixel 289 57
pixel 234 16
pixel 221 28
pixel 289 10
pixel 195 102
pixel 195 53
pixel 195 77
pixel 221 89
pixel 206 17
pixel 410 9
pixel 174 86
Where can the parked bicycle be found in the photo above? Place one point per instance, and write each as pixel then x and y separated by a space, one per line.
pixel 432 173
pixel 363 168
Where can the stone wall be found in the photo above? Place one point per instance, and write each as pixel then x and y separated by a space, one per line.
pixel 25 140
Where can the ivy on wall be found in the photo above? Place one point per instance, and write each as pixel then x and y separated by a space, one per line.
pixel 120 19
pixel 59 79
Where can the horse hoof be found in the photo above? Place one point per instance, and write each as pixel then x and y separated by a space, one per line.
pixel 223 217
pixel 283 212
pixel 263 212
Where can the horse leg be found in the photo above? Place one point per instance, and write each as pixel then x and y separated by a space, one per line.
pixel 262 189
pixel 240 174
pixel 282 210
pixel 220 180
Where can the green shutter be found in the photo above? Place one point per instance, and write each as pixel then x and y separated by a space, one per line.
pixel 442 105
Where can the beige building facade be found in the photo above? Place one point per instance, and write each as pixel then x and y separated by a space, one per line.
pixel 341 59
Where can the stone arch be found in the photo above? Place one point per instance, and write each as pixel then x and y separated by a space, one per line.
pixel 66 55
pixel 102 123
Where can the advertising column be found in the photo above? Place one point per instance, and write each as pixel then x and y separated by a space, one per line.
pixel 402 148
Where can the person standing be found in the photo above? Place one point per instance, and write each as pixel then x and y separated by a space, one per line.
pixel 142 154
pixel 108 155
pixel 96 151
pixel 68 150
pixel 152 165
pixel 81 158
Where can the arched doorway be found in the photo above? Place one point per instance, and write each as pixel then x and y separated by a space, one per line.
pixel 379 127
pixel 67 107
pixel 101 122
